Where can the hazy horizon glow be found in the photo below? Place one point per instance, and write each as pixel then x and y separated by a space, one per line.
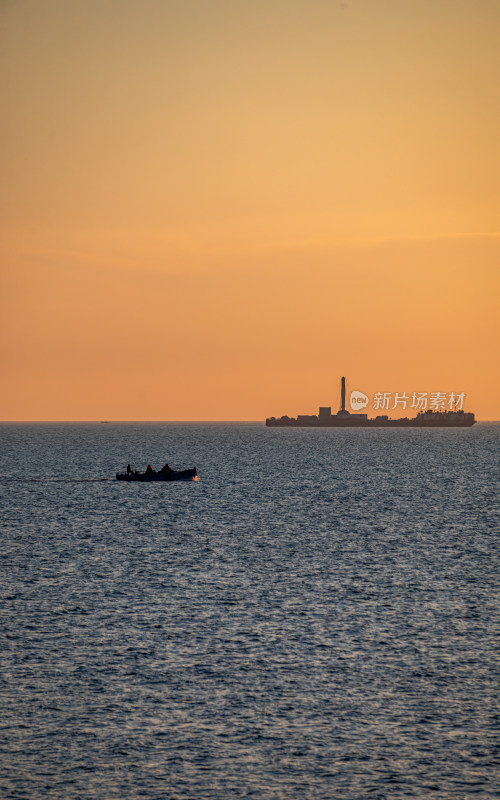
pixel 213 210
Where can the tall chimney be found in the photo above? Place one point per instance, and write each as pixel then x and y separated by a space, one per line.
pixel 343 393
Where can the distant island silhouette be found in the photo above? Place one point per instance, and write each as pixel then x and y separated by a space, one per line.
pixel 345 419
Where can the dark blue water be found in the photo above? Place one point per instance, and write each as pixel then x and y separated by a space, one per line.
pixel 317 617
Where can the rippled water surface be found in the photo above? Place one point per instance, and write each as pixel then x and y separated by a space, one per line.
pixel 317 617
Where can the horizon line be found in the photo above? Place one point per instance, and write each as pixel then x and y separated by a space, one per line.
pixel 151 421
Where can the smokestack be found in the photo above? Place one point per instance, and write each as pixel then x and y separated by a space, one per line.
pixel 342 391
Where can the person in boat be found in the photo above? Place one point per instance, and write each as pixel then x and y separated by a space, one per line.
pixel 128 469
pixel 149 469
pixel 165 469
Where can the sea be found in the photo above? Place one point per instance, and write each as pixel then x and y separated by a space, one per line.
pixel 316 617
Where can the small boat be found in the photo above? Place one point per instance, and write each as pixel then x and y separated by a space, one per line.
pixel 171 475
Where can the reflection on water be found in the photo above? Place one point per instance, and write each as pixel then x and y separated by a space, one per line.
pixel 317 617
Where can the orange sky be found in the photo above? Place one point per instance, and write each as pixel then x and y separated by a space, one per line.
pixel 213 209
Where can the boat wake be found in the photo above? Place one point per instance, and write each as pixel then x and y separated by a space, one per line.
pixel 29 479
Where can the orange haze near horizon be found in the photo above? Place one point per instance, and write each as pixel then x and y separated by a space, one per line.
pixel 213 210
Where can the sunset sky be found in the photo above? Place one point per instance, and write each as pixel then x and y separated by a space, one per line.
pixel 213 209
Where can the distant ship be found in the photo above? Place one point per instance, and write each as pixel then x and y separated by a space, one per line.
pixel 344 419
